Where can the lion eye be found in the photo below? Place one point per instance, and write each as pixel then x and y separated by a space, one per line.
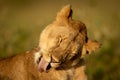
pixel 53 60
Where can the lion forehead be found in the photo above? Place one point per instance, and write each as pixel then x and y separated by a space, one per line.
pixel 52 36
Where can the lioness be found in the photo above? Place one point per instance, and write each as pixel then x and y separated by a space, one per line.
pixel 59 56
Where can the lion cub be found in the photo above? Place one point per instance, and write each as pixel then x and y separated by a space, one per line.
pixel 60 55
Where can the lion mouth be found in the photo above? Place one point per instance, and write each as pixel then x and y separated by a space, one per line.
pixel 43 65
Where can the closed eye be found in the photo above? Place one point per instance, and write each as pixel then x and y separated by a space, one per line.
pixel 54 61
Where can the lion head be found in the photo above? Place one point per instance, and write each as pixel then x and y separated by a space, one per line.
pixel 63 43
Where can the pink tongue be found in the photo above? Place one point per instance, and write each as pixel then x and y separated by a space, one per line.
pixel 43 64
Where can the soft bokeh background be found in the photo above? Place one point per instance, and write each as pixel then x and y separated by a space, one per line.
pixel 21 22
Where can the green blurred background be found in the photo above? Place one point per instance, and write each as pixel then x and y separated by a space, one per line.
pixel 21 22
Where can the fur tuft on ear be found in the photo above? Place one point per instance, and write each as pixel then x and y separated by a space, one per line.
pixel 89 47
pixel 65 14
pixel 92 46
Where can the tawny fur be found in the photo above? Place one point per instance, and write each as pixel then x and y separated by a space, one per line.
pixel 64 41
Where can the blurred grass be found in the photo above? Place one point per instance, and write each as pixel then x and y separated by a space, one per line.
pixel 21 22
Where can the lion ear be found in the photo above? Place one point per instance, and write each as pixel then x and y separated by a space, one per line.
pixel 92 46
pixel 64 14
